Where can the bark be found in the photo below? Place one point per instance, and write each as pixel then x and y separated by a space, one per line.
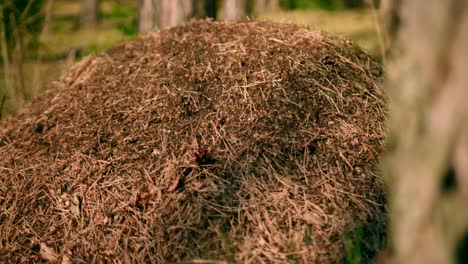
pixel 90 13
pixel 427 158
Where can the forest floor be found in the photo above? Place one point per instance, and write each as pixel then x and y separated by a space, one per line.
pixel 67 42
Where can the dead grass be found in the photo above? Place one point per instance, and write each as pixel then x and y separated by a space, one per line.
pixel 247 142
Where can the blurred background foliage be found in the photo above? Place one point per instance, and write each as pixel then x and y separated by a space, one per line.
pixel 322 4
pixel 39 39
pixel 25 15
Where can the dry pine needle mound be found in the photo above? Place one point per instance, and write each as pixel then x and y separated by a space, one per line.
pixel 229 141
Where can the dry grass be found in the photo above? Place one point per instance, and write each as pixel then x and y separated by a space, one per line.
pixel 245 142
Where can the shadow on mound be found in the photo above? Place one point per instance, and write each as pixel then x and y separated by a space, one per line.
pixel 247 141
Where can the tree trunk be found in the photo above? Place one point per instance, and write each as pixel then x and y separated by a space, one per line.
pixel 146 17
pixel 427 158
pixel 204 8
pixel 90 13
pixel 263 6
pixel 174 12
pixel 169 13
pixel 235 9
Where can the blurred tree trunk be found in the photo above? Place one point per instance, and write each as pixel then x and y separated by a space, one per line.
pixel 17 62
pixel 6 63
pixel 44 35
pixel 263 6
pixel 146 15
pixel 204 8
pixel 169 13
pixel 235 9
pixel 427 149
pixel 90 13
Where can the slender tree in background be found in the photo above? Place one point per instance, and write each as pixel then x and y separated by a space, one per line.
pixel 20 24
pixel 47 20
pixel 90 13
pixel 427 156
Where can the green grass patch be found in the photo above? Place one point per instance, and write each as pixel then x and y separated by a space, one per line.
pixel 352 243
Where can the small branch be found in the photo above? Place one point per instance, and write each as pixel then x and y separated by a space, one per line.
pixel 5 57
pixel 381 34
pixel 18 62
pixel 2 104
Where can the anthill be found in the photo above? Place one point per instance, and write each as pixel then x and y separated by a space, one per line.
pixel 231 141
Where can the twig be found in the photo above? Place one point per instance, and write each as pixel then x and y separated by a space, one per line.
pixel 381 34
pixel 2 104
pixel 26 10
pixel 6 60
pixel 18 61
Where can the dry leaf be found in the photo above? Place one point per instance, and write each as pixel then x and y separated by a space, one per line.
pixel 48 253
pixel 169 170
pixel 74 206
pixel 174 185
pixel 312 219
pixel 156 152
pixel 66 260
pixel 279 196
